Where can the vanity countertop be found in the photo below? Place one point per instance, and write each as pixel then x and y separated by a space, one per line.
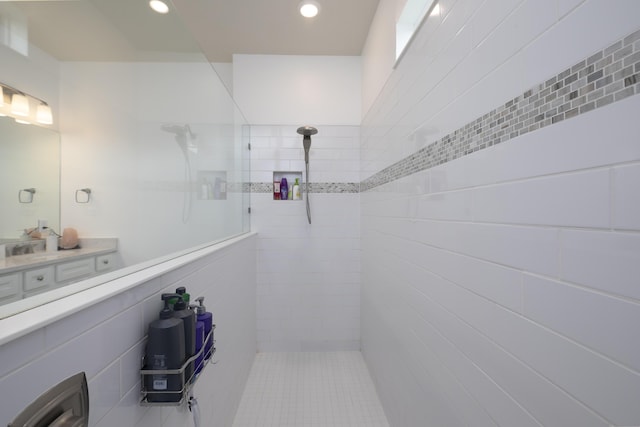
pixel 88 247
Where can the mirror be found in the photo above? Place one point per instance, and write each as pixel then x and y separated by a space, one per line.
pixel 29 159
pixel 143 121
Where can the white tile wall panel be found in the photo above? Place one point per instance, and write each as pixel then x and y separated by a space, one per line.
pixel 529 155
pixel 129 373
pixel 451 206
pixel 303 270
pixel 566 6
pixel 552 195
pixel 530 248
pixel 110 342
pixel 22 351
pixel 573 368
pixel 490 15
pixel 504 82
pixel 548 404
pixel 586 317
pixel 608 261
pixel 575 200
pixel 104 392
pixel 626 197
pixel 68 328
pixel 496 402
pixel 492 281
pixel 432 374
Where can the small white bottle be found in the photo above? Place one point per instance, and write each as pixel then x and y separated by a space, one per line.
pixel 296 190
pixel 51 244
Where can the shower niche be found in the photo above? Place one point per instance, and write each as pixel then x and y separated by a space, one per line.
pixel 212 185
pixel 279 178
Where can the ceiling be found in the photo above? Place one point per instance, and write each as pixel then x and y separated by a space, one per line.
pixel 93 30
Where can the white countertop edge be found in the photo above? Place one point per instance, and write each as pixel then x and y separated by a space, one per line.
pixel 22 323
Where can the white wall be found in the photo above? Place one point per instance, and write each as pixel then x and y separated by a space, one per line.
pixel 308 275
pixel 107 341
pixel 298 90
pixel 499 288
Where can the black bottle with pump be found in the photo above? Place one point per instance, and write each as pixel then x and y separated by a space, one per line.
pixel 181 311
pixel 165 350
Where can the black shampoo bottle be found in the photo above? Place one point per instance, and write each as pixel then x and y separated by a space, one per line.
pixel 165 350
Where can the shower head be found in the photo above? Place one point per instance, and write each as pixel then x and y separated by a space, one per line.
pixel 307 131
pixel 179 130
pixel 184 137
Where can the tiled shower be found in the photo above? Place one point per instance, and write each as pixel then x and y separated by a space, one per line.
pixel 486 266
pixel 499 203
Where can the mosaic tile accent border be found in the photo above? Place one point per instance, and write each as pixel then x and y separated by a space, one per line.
pixel 314 187
pixel 607 76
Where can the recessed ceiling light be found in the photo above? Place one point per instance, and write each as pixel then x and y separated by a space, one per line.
pixel 159 6
pixel 309 9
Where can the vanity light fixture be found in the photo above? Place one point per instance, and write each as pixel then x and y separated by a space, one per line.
pixel 159 6
pixel 309 8
pixel 19 106
pixel 43 114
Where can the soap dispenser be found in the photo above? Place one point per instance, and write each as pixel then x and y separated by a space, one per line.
pixel 181 311
pixel 207 318
pixel 165 350
pixel 182 291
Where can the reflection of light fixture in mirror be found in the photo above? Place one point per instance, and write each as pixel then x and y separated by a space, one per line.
pixel 159 6
pixel 83 195
pixel 43 114
pixel 19 105
pixel 309 8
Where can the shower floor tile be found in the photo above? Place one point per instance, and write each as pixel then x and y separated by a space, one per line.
pixel 325 389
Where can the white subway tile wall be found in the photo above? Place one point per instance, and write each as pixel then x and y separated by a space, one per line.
pixel 107 342
pixel 500 282
pixel 308 275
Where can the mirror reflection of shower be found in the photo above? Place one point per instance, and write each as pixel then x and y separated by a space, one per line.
pixel 306 132
pixel 187 141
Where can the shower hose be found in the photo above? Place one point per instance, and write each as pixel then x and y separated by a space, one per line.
pixel 307 190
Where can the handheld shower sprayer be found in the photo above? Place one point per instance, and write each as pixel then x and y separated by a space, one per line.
pixel 186 140
pixel 306 132
pixel 184 137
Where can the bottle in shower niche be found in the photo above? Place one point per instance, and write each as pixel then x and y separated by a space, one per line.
pixel 181 311
pixel 296 190
pixel 276 190
pixel 165 350
pixel 284 189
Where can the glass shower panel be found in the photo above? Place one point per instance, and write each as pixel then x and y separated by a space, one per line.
pixel 144 120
